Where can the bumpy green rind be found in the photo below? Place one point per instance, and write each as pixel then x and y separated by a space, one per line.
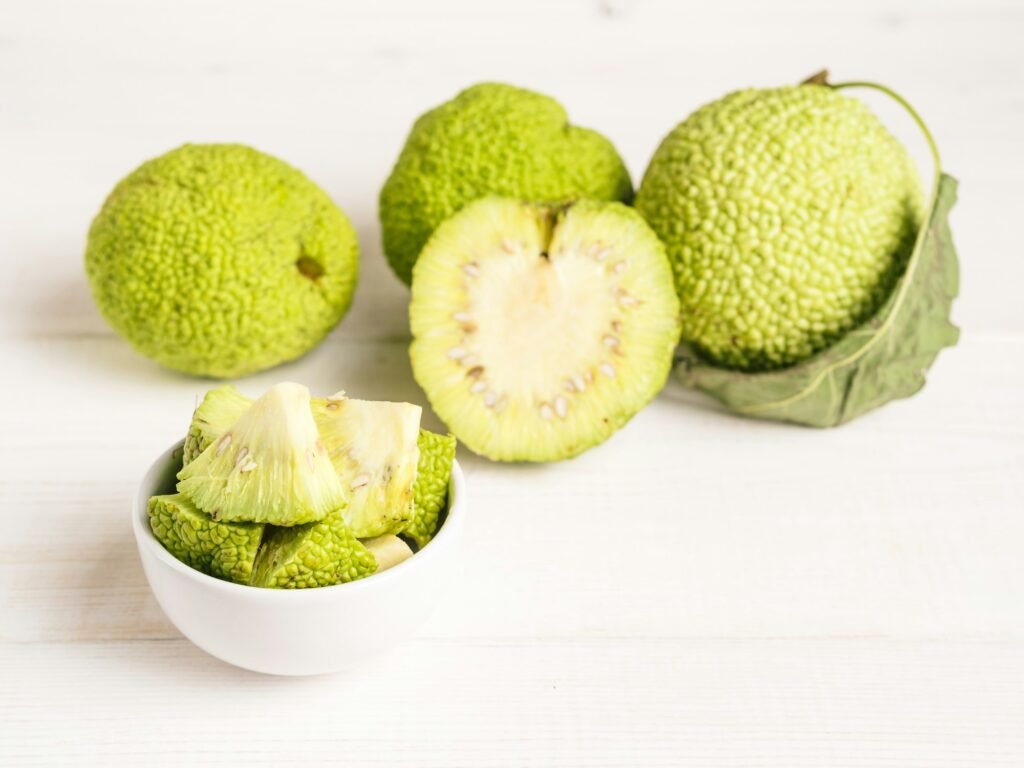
pixel 224 550
pixel 788 215
pixel 491 139
pixel 314 555
pixel 882 360
pixel 218 260
pixel 433 473
pixel 221 407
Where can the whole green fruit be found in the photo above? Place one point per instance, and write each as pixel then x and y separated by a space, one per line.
pixel 219 260
pixel 788 214
pixel 491 139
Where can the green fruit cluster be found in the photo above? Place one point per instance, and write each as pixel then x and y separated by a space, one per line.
pixel 780 248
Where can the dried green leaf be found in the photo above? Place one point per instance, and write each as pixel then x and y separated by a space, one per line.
pixel 882 360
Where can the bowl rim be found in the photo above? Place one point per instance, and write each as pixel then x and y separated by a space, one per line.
pixel 145 538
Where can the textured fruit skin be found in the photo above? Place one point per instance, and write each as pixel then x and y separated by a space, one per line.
pixel 315 555
pixel 644 319
pixel 224 550
pixel 491 139
pixel 195 260
pixel 434 470
pixel 788 214
pixel 221 407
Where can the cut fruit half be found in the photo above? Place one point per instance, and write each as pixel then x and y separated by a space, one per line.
pixel 221 407
pixel 269 467
pixel 539 330
pixel 372 445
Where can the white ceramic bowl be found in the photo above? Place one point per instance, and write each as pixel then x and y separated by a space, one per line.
pixel 304 631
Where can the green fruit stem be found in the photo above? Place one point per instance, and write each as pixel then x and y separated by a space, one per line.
pixel 910 111
pixel 935 182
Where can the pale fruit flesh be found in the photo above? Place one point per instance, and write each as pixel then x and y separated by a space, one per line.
pixel 538 330
pixel 372 446
pixel 269 467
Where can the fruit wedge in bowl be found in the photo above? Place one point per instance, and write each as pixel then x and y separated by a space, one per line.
pixel 293 491
pixel 257 532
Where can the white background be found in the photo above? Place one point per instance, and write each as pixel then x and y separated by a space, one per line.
pixel 701 590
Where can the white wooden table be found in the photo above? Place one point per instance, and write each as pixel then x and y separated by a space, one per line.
pixel 701 590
